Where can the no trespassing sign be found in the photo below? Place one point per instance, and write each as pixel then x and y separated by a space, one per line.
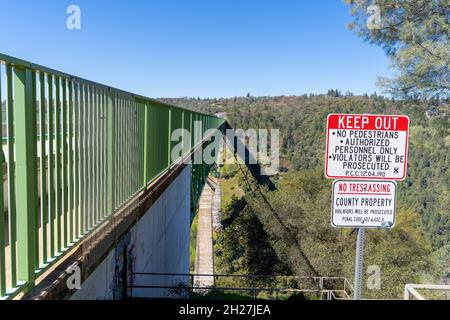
pixel 363 204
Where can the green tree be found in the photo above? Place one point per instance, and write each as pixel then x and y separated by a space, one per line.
pixel 414 33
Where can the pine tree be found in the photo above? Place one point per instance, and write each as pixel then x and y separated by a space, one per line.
pixel 414 34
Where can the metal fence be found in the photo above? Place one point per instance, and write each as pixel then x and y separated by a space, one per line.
pixel 73 152
pixel 176 286
pixel 437 291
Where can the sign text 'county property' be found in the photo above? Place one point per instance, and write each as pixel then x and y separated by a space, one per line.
pixel 370 147
pixel 363 204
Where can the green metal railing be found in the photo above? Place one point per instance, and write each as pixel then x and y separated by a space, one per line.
pixel 74 152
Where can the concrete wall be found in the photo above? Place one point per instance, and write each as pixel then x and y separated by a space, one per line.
pixel 158 243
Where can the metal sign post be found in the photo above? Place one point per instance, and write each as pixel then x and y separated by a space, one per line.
pixel 359 264
pixel 369 152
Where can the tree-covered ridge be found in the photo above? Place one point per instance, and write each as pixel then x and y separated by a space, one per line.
pixel 288 232
pixel 302 124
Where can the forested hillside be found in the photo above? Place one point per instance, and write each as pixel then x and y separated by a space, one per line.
pixel 421 239
pixel 288 232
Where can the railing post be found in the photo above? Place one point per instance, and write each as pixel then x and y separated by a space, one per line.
pixel 406 293
pixel 146 143
pixel 26 172
pixel 2 218
pixel 110 154
pixel 169 149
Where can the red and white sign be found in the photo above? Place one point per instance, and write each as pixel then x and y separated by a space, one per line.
pixel 373 147
pixel 363 204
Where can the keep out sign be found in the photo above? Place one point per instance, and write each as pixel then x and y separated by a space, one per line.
pixel 373 147
pixel 363 204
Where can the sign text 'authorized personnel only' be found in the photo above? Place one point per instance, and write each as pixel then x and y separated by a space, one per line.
pixel 371 147
pixel 363 204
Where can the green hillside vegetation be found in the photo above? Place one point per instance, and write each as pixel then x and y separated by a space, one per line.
pixel 288 232
pixel 290 227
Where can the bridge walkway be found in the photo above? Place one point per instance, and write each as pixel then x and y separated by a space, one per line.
pixel 204 259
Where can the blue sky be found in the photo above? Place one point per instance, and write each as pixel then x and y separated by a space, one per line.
pixel 197 48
